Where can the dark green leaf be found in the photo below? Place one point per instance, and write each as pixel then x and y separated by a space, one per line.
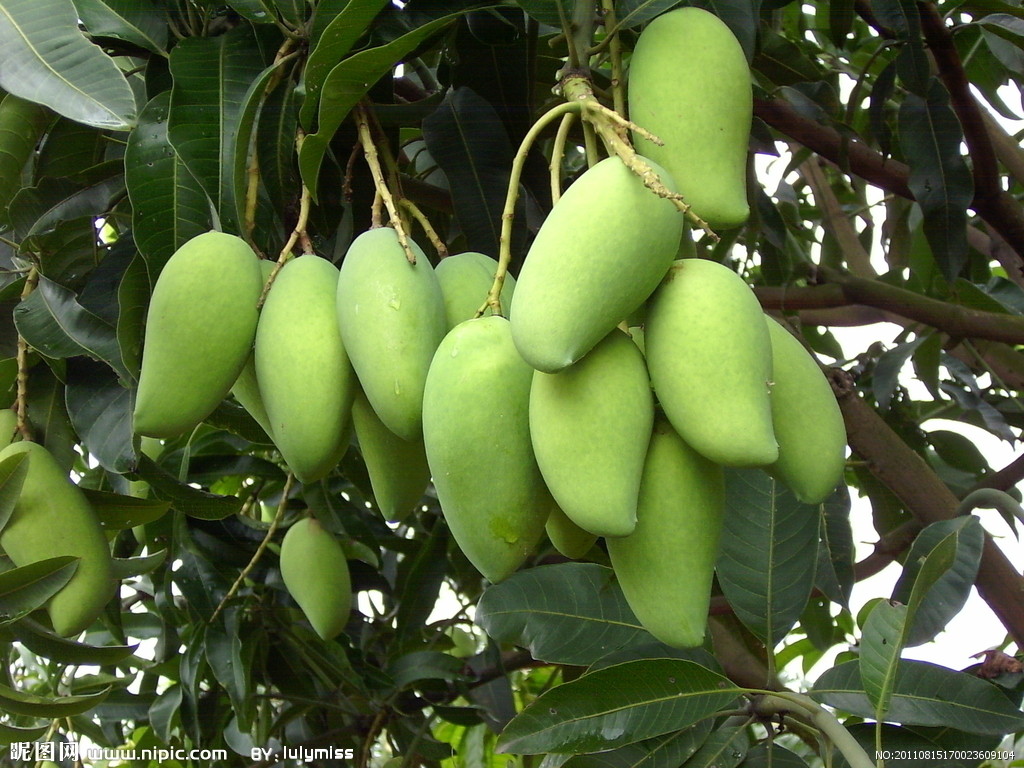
pixel 766 755
pixel 783 62
pixel 571 613
pixel 741 16
pixel 632 13
pixel 835 575
pixel 419 581
pixel 118 513
pixel 424 665
pixel 183 497
pixel 101 412
pixel 13 470
pixel 169 207
pixel 768 553
pixel 134 21
pixel 618 705
pixel 45 643
pixel 942 184
pixel 275 147
pixel 47 59
pixel 22 703
pixel 724 748
pixel 662 752
pixel 10 734
pixel 24 589
pixel 130 567
pixel 925 694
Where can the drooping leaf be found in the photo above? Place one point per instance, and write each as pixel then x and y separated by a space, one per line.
pixel 571 613
pixel 44 57
pixel 930 137
pixel 768 553
pixel 183 497
pixel 169 206
pixel 101 412
pixel 925 694
pixel 834 574
pixel 466 138
pixel 9 734
pixel 135 22
pixel 31 704
pixel 668 751
pixel 24 589
pixel 618 705
pixel 45 643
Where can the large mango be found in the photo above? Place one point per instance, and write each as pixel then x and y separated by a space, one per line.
pixel 315 572
pixel 666 565
pixel 599 254
pixel 391 315
pixel 305 380
pixel 590 426
pixel 689 85
pixel 710 358
pixel 808 423
pixel 199 330
pixel 476 428
pixel 398 469
pixel 52 518
pixel 466 279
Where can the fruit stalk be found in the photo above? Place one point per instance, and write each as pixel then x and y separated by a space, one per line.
pixel 31 281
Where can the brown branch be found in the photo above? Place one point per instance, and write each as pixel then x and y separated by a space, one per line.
pixel 926 497
pixel 1003 479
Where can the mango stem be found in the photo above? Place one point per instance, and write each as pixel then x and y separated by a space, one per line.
pixel 31 281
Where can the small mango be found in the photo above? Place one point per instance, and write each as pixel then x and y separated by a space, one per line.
pixel 689 85
pixel 599 254
pixel 306 382
pixel 398 469
pixel 466 279
pixel 246 390
pixel 665 567
pixel 590 424
pixel 710 359
pixel 808 423
pixel 476 429
pixel 315 572
pixel 391 316
pixel 567 537
pixel 199 331
pixel 52 518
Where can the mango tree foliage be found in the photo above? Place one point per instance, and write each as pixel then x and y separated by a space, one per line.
pixel 129 128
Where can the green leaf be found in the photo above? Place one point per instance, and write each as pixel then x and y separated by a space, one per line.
pixel 10 734
pixel 424 665
pixel 45 58
pixel 183 497
pixel 13 470
pixel 24 589
pixel 333 43
pixel 725 748
pixel 275 146
pixel 834 575
pixel 169 206
pixel 45 643
pixel 948 592
pixel 662 752
pixel 466 138
pixel 783 62
pixel 22 703
pixel 765 755
pixel 768 555
pixel 118 513
pixel 52 321
pixel 347 83
pixel 132 21
pixel 212 76
pixel 925 694
pixel 130 567
pixel 618 705
pixel 132 304
pixel 101 412
pixel 571 613
pixel 419 579
pixel 633 13
pixel 930 136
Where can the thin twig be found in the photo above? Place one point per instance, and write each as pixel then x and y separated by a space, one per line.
pixel 428 228
pixel 558 153
pixel 31 281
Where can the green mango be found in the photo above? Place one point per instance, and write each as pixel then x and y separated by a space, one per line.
pixel 391 315
pixel 52 518
pixel 315 572
pixel 689 85
pixel 246 390
pixel 590 426
pixel 398 469
pixel 305 379
pixel 567 537
pixel 709 354
pixel 599 254
pixel 199 330
pixel 476 429
pixel 665 567
pixel 808 423
pixel 466 279
pixel 8 427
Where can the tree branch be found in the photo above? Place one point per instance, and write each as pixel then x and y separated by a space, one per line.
pixel 926 497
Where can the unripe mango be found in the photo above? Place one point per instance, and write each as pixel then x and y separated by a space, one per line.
pixel 599 254
pixel 689 85
pixel 306 382
pixel 246 389
pixel 8 427
pixel 52 518
pixel 199 330
pixel 315 571
pixel 476 428
pixel 466 279
pixel 398 469
pixel 710 359
pixel 590 424
pixel 391 315
pixel 567 537
pixel 808 423
pixel 665 567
